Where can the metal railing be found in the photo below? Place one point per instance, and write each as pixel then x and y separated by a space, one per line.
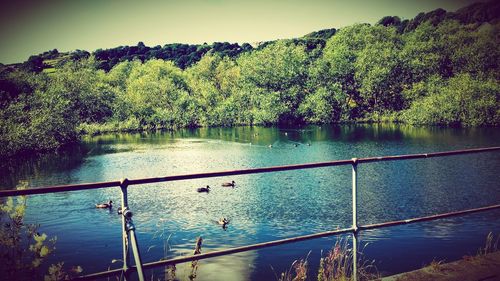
pixel 128 228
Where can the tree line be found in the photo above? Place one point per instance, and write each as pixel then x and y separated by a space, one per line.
pixel 440 72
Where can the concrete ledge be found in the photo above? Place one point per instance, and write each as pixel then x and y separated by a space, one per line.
pixel 477 268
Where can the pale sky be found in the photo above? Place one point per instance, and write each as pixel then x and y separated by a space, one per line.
pixel 29 27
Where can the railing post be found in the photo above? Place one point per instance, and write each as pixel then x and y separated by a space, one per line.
pixel 128 236
pixel 135 248
pixel 354 219
pixel 123 187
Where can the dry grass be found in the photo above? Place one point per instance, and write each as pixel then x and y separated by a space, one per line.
pixel 170 270
pixel 194 264
pixel 435 265
pixel 296 272
pixel 335 266
pixel 491 245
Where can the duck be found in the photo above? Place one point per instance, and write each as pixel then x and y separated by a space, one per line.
pixel 204 189
pixel 229 184
pixel 308 144
pixel 224 222
pixel 105 205
pixel 295 145
pixel 270 146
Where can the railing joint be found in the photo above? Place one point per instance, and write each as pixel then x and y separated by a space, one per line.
pixel 355 229
pixel 354 161
pixel 124 183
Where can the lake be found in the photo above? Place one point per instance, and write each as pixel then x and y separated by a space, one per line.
pixel 263 207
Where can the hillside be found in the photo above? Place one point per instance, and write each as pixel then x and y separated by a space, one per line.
pixel 185 55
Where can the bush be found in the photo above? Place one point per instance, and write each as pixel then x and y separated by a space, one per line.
pixel 462 100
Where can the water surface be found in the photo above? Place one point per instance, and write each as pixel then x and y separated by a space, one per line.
pixel 170 216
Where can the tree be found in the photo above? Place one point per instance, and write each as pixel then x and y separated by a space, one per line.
pixel 215 80
pixel 462 100
pixel 337 66
pixel 153 92
pixel 274 78
pixel 85 89
pixel 379 70
pixel 389 21
pixel 323 106
pixel 34 64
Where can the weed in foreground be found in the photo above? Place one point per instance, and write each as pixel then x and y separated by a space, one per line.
pixel 491 245
pixel 300 268
pixel 335 266
pixel 23 249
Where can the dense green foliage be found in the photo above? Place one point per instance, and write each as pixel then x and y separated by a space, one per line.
pixel 183 55
pixel 439 68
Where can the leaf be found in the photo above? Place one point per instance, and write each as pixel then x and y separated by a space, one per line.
pixel 36 262
pixel 40 238
pixel 8 206
pixel 77 269
pixel 44 251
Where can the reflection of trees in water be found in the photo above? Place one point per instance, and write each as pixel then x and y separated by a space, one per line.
pixel 38 166
pixel 400 132
pixel 287 135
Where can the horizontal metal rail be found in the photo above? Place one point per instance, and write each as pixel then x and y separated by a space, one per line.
pixel 115 272
pixel 87 186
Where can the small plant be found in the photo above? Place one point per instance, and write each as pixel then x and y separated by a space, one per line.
pixel 436 265
pixel 56 272
pixel 296 272
pixel 194 264
pixel 170 271
pixel 22 248
pixel 335 266
pixel 491 245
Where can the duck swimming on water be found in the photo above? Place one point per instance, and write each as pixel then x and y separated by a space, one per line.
pixel 204 189
pixel 105 205
pixel 229 184
pixel 223 222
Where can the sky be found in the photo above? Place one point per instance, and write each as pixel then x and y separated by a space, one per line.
pixel 29 27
